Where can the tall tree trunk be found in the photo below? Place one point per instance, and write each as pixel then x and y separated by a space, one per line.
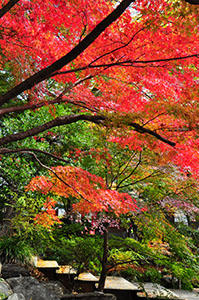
pixel 5 221
pixel 104 262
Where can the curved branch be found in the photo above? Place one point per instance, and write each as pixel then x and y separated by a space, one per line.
pixel 154 174
pixel 58 99
pixel 118 48
pixel 120 172
pixel 21 108
pixel 125 63
pixel 70 56
pixel 59 121
pixel 22 150
pixel 165 59
pixel 131 173
pixel 193 2
pixel 68 119
pixel 142 129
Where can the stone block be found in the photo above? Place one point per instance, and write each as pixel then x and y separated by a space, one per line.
pixel 89 296
pixel 16 296
pixel 13 270
pixel 31 289
pixel 5 289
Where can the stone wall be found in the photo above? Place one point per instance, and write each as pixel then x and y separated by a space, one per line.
pixel 25 287
pixel 28 288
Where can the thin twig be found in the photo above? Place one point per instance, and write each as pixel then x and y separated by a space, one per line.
pixel 131 173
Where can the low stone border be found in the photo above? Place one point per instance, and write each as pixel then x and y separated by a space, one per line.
pixel 89 296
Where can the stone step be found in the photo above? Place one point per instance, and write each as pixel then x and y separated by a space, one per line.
pixel 187 295
pixel 121 288
pixel 48 268
pixel 119 283
pixel 156 291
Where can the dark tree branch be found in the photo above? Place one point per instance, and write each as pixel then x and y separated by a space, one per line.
pixel 118 48
pixel 142 129
pixel 58 99
pixel 126 63
pixel 19 109
pixel 154 174
pixel 155 117
pixel 59 121
pixel 75 52
pixel 119 171
pixel 194 2
pixel 166 59
pixel 7 7
pixel 22 150
pixel 128 163
pixel 68 119
pixel 131 173
pixel 121 262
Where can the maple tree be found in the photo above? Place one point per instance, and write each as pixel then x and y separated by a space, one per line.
pixel 134 72
pixel 93 197
pixel 79 183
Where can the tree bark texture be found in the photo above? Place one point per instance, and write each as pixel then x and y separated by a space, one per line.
pixel 7 7
pixel 104 263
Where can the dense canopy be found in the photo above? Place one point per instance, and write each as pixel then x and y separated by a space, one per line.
pixel 99 109
pixel 138 70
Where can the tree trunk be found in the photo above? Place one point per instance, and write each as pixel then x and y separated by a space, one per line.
pixel 5 221
pixel 104 263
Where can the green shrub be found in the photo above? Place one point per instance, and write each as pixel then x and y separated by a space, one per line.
pixel 15 250
pixel 134 274
pixel 152 274
pixel 84 253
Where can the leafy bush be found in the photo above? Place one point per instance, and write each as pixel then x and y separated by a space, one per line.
pixel 190 232
pixel 152 274
pixel 132 273
pixel 84 253
pixel 15 250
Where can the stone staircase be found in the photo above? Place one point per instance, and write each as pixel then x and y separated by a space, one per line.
pixel 120 287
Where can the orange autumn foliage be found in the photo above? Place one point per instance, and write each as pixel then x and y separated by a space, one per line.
pixel 47 217
pixel 88 189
